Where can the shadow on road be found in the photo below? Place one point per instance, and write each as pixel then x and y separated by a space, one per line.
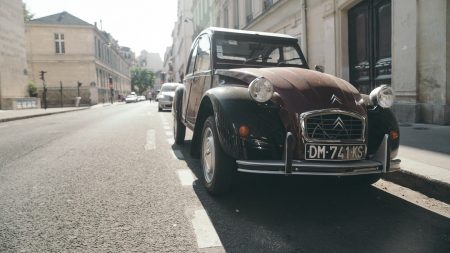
pixel 292 214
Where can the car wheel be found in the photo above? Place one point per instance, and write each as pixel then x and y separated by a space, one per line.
pixel 159 108
pixel 179 130
pixel 218 167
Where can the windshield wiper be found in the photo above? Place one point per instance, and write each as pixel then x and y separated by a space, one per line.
pixel 260 57
pixel 288 60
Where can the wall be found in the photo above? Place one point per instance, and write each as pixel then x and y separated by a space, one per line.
pixel 432 66
pixel 13 63
pixel 420 53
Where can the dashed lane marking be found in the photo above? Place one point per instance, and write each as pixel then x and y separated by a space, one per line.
pixel 204 230
pixel 177 154
pixel 150 145
pixel 169 133
pixel 166 127
pixel 186 177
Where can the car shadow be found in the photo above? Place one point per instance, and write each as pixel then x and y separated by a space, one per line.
pixel 292 214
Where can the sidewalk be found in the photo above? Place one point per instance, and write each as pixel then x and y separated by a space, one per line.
pixel 424 151
pixel 425 155
pixel 10 115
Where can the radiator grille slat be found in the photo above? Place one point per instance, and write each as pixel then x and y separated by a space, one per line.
pixel 335 126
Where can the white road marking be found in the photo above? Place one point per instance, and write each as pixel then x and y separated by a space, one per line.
pixel 177 154
pixel 2 126
pixel 150 145
pixel 204 230
pixel 170 141
pixel 186 177
pixel 169 133
pixel 167 128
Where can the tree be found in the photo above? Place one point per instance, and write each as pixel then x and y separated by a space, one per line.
pixel 141 79
pixel 32 89
pixel 27 15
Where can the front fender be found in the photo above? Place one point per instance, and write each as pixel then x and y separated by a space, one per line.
pixel 381 122
pixel 232 108
pixel 178 102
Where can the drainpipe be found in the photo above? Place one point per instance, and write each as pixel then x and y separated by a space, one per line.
pixel 304 32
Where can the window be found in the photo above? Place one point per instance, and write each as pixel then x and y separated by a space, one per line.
pixel 203 61
pixel 225 17
pixel 59 43
pixel 236 14
pixel 192 61
pixel 248 11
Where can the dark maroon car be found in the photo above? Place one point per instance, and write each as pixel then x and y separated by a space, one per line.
pixel 254 106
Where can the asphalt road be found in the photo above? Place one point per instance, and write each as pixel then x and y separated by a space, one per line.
pixel 110 179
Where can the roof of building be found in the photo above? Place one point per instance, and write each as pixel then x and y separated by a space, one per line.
pixel 63 18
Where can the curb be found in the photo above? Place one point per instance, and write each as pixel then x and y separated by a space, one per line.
pixel 41 114
pixel 432 188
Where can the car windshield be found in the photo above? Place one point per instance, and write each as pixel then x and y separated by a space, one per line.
pixel 168 88
pixel 252 51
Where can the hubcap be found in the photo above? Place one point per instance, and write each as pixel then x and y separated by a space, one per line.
pixel 208 155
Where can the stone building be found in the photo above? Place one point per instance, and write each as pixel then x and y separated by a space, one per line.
pixel 13 59
pixel 152 62
pixel 72 51
pixel 401 43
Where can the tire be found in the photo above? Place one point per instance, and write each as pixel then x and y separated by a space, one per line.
pixel 179 130
pixel 159 108
pixel 217 166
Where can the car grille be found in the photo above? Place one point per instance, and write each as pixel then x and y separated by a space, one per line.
pixel 335 126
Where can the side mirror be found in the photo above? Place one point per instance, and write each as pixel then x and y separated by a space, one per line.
pixel 319 68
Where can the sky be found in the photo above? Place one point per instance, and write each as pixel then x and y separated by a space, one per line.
pixel 138 24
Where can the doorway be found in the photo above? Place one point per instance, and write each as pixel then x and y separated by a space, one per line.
pixel 369 32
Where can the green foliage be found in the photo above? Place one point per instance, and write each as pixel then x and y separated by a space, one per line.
pixel 27 15
pixel 141 80
pixel 32 90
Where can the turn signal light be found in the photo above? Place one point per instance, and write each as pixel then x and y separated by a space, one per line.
pixel 393 135
pixel 244 131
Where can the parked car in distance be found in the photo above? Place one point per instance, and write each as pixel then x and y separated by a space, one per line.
pixel 132 98
pixel 254 106
pixel 165 96
pixel 141 98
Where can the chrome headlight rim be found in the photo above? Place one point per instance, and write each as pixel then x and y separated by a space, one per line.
pixel 383 96
pixel 261 90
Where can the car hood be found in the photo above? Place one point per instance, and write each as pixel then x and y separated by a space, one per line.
pixel 300 90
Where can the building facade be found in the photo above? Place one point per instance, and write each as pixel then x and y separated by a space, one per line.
pixel 73 52
pixel 13 59
pixel 401 43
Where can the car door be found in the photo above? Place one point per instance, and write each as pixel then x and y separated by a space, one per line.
pixel 201 80
pixel 188 80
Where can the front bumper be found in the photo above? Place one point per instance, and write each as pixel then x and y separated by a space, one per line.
pixel 380 163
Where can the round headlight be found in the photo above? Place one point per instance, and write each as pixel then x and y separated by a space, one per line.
pixel 261 90
pixel 382 96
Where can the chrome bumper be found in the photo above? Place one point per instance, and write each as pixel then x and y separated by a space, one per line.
pixel 380 163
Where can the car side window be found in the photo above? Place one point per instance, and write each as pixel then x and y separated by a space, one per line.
pixel 203 62
pixel 192 60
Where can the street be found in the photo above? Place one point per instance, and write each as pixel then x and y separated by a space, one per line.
pixel 110 179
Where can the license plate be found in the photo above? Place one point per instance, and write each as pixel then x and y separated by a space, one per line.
pixel 343 152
